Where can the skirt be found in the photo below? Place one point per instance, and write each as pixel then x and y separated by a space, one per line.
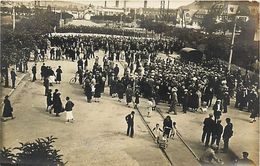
pixel 69 115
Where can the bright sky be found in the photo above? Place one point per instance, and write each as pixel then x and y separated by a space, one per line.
pixel 137 3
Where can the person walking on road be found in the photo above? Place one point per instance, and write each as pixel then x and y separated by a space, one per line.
pixel 207 129
pixel 8 109
pixel 130 124
pixel 228 133
pixel 34 70
pixel 58 75
pixel 13 78
pixel 68 108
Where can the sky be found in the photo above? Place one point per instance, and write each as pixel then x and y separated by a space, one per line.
pixel 137 3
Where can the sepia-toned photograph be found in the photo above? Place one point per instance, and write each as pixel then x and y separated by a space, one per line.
pixel 129 83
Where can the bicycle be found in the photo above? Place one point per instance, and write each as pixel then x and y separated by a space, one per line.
pixel 74 79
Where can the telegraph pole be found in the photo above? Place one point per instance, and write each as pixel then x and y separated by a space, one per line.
pixel 13 18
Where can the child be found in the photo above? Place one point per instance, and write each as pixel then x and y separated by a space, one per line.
pixel 156 131
pixel 173 130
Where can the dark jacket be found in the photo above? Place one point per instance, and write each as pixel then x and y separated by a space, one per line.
pixel 209 124
pixel 228 131
pixel 69 105
pixel 130 119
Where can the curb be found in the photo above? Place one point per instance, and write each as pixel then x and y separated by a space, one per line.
pixel 12 91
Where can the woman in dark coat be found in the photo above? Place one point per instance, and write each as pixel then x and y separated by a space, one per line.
pixel 98 89
pixel 88 90
pixel 8 109
pixel 57 104
pixel 58 75
pixel 253 107
pixel 137 97
pixel 120 90
pixel 129 95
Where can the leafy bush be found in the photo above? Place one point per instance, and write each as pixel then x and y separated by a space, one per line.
pixel 39 152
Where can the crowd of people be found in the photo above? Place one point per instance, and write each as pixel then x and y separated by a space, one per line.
pixel 173 81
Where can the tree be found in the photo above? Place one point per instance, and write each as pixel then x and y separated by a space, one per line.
pixel 208 23
pixel 39 152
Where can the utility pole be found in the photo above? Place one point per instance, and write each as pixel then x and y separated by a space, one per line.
pixel 13 18
pixel 232 45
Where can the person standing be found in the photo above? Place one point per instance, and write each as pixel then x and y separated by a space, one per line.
pixel 43 71
pixel 58 75
pixel 207 129
pixel 56 102
pixel 130 124
pixel 185 101
pixel 216 134
pixel 129 95
pixel 116 70
pixel 228 133
pixel 46 84
pixel 120 90
pixel 68 108
pixel 13 78
pixel 49 101
pixel 174 101
pixel 137 98
pixel 217 109
pixel 34 70
pixel 167 126
pixel 226 101
pixel 8 109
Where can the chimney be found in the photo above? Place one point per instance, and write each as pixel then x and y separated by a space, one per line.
pixel 105 4
pixel 145 3
pixel 117 3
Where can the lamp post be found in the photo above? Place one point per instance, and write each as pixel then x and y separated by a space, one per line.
pixel 232 41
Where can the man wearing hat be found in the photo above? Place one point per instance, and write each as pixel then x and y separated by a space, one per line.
pixel 173 101
pixel 217 109
pixel 245 161
pixel 228 133
pixel 185 101
pixel 207 129
pixel 130 124
pixel 13 78
pixel 226 101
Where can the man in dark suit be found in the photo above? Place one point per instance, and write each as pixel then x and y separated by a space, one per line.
pixel 13 78
pixel 216 134
pixel 34 72
pixel 228 133
pixel 207 129
pixel 130 124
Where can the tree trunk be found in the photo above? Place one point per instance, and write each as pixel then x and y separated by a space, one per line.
pixel 6 77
